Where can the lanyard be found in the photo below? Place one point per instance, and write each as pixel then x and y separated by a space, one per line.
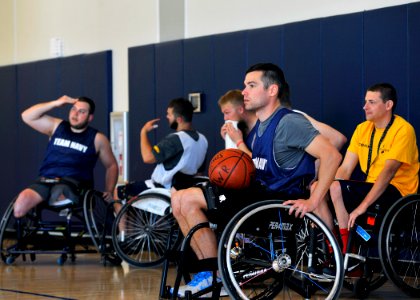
pixel 379 144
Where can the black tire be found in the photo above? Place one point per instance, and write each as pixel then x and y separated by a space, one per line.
pixel 95 210
pixel 264 253
pixel 399 244
pixel 148 225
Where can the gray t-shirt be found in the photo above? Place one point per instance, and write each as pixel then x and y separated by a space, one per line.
pixel 293 134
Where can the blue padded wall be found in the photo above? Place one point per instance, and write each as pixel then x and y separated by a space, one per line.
pixel 24 85
pixel 169 80
pixel 257 50
pixel 302 65
pixel 199 76
pixel 229 61
pixel 8 132
pixel 30 143
pixel 342 58
pixel 328 62
pixel 141 72
pixel 385 50
pixel 413 34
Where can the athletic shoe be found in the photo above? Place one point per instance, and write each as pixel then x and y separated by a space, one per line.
pixel 354 268
pixel 199 282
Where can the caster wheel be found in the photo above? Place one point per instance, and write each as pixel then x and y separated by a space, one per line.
pixel 10 260
pixel 113 259
pixel 62 259
pixel 361 288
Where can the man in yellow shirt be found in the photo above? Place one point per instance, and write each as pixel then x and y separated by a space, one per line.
pixel 386 149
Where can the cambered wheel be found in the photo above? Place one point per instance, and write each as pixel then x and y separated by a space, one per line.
pixel 265 253
pixel 143 228
pixel 95 210
pixel 399 247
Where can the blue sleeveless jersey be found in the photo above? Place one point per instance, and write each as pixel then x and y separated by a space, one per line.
pixel 249 141
pixel 70 154
pixel 272 176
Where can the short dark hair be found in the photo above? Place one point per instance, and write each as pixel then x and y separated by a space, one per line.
pixel 88 101
pixel 387 91
pixel 182 108
pixel 272 74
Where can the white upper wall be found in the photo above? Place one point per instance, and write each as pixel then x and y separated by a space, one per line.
pixel 87 26
pixel 205 17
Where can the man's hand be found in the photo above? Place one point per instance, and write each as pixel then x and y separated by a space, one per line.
pixel 107 196
pixel 150 125
pixel 223 131
pixel 300 207
pixel 234 133
pixel 360 210
pixel 63 100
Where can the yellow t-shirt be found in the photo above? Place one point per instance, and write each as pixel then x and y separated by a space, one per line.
pixel 399 144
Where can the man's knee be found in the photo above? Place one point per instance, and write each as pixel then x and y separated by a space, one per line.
pixel 185 201
pixel 19 208
pixel 26 200
pixel 335 191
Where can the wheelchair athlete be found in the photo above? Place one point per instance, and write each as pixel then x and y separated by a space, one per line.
pixel 284 150
pixel 72 152
pixel 181 153
pixel 385 148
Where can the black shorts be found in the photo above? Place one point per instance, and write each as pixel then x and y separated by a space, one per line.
pixel 355 191
pixel 68 187
pixel 223 204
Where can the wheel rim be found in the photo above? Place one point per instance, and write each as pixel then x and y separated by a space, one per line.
pixel 272 270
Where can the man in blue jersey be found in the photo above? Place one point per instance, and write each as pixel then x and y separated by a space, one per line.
pixel 72 151
pixel 284 150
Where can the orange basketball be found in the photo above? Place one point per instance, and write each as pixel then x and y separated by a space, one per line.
pixel 231 169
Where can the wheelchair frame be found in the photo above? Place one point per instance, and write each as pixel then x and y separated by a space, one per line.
pixel 149 224
pixel 388 249
pixel 264 253
pixel 75 231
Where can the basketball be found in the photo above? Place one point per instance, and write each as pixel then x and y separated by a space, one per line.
pixel 231 169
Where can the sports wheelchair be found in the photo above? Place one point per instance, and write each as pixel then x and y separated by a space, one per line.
pixel 386 245
pixel 66 227
pixel 265 253
pixel 145 231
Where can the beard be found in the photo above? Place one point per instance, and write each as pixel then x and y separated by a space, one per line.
pixel 82 125
pixel 174 125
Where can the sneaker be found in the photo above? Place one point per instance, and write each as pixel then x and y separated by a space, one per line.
pixel 354 268
pixel 199 282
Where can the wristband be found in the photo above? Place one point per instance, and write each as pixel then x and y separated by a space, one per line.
pixel 238 143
